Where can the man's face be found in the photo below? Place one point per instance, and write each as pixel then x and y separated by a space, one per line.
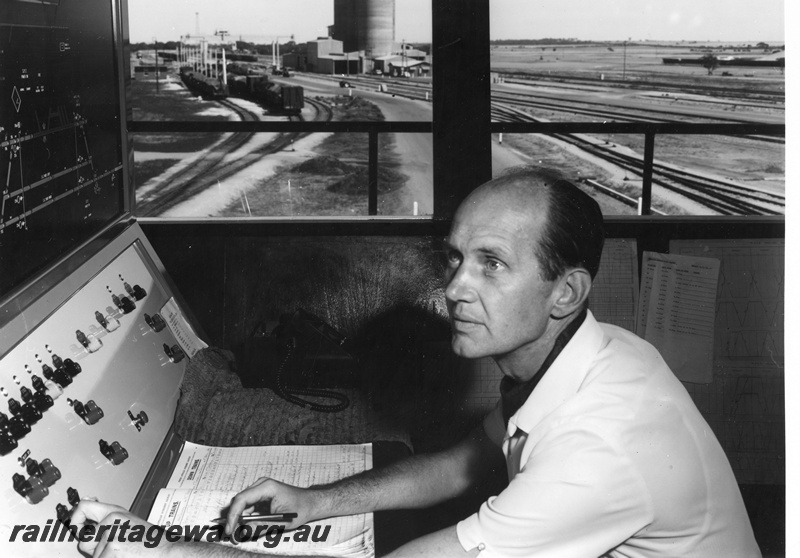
pixel 499 304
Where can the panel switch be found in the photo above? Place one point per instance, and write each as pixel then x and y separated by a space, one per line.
pixel 14 426
pixel 175 354
pixel 7 442
pixel 138 420
pixel 32 489
pixel 27 412
pixel 90 412
pixel 114 452
pixel 45 471
pixel 156 322
pixel 91 343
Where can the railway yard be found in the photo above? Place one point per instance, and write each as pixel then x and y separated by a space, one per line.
pixel 692 174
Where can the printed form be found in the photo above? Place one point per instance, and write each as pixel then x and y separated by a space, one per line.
pixel 677 305
pixel 206 478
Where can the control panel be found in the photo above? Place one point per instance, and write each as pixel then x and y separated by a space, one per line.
pixel 88 395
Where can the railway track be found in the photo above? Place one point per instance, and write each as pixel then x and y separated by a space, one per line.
pixel 773 96
pixel 721 196
pixel 214 167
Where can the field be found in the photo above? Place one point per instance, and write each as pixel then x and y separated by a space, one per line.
pixel 640 62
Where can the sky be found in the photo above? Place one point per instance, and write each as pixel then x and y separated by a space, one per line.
pixel 265 20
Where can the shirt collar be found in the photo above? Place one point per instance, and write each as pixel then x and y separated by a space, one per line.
pixel 566 374
pixel 514 393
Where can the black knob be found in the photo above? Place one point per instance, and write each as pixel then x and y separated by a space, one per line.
pixel 72 496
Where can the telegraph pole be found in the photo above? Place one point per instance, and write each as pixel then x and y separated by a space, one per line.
pixel 624 57
pixel 155 49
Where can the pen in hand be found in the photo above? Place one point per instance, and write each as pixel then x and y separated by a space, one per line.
pixel 283 517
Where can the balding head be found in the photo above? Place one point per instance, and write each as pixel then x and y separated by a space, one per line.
pixel 571 222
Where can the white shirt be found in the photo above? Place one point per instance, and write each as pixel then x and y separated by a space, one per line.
pixel 609 456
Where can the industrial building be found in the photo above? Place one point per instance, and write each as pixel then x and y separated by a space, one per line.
pixel 361 40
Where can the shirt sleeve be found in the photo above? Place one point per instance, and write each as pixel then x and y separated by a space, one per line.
pixel 575 496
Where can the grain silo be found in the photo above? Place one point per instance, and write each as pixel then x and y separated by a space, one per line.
pixel 366 25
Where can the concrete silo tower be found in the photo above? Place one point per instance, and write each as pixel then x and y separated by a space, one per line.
pixel 366 25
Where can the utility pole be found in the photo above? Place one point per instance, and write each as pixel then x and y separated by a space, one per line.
pixel 155 48
pixel 403 57
pixel 624 57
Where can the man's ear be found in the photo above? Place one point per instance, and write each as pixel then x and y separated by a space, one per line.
pixel 574 287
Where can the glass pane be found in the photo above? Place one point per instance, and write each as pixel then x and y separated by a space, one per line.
pixel 405 175
pixel 283 63
pixel 250 175
pixel 674 61
pixel 719 175
pixel 377 50
pixel 603 166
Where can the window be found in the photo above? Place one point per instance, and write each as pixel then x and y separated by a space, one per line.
pixel 266 108
pixel 666 82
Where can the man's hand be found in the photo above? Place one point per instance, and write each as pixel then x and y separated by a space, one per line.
pixel 104 516
pixel 283 498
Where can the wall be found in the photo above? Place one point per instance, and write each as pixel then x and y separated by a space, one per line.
pixel 381 286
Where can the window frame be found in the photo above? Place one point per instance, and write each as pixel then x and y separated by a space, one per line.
pixel 461 126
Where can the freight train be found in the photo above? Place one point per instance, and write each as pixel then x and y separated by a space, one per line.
pixel 209 88
pixel 277 97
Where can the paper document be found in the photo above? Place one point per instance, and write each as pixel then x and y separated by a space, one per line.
pixel 677 303
pixel 206 478
pixel 189 341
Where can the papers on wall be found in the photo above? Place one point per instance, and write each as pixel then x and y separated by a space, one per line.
pixel 206 478
pixel 677 304
pixel 188 340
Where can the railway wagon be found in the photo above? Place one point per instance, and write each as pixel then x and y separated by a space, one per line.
pixel 275 96
pixel 209 88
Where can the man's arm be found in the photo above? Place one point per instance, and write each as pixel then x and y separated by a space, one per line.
pixel 415 482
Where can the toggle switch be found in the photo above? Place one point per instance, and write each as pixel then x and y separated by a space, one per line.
pixel 7 442
pixel 32 489
pixel 90 412
pixel 72 497
pixel 15 426
pixel 138 292
pixel 49 388
pixel 123 303
pixel 127 305
pixel 138 420
pixel 45 471
pixel 71 367
pixel 39 399
pixel 63 514
pixel 109 323
pixel 91 343
pixel 114 452
pixel 59 375
pixel 27 412
pixel 175 354
pixel 156 322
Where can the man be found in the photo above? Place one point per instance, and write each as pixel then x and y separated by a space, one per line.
pixel 606 454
